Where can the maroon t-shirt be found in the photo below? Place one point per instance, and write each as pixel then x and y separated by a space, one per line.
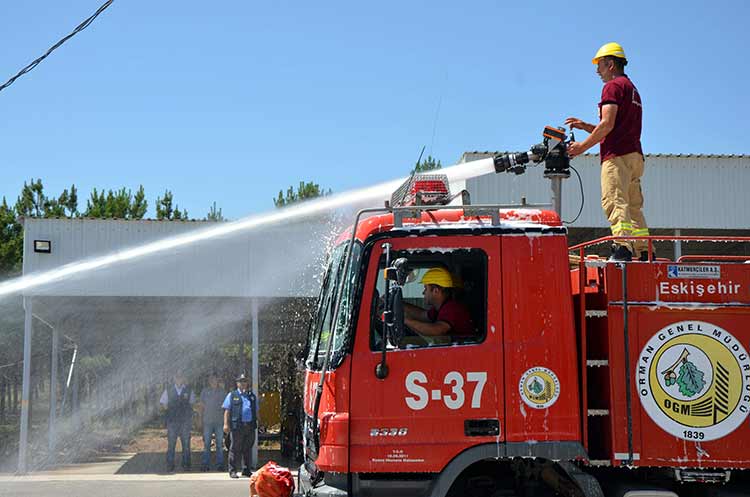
pixel 625 137
pixel 455 315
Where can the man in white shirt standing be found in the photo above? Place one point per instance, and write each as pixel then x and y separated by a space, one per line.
pixel 177 402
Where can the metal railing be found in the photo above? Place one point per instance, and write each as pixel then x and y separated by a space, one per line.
pixel 656 238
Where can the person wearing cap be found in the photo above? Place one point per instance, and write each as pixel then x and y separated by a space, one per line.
pixel 240 421
pixel 619 135
pixel 444 314
pixel 177 402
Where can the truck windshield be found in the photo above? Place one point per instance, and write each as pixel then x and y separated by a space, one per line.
pixel 321 329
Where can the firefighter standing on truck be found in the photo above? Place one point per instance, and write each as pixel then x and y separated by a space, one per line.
pixel 240 421
pixel 619 132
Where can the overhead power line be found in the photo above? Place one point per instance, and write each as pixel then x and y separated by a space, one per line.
pixel 78 29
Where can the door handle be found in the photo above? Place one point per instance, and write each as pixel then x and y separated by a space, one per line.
pixel 481 427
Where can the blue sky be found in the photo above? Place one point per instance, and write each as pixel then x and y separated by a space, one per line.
pixel 232 101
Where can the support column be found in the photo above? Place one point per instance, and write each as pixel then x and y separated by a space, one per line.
pixel 243 358
pixel 556 185
pixel 75 407
pixel 556 194
pixel 26 389
pixel 677 246
pixel 53 393
pixel 256 345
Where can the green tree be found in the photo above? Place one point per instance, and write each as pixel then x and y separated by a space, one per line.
pixel 64 206
pixel 33 202
pixel 139 206
pixel 164 209
pixel 11 241
pixel 429 164
pixel 119 204
pixel 214 214
pixel 305 191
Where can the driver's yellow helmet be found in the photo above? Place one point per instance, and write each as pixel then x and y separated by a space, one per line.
pixel 438 276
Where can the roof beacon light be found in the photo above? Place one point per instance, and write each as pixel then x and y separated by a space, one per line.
pixel 422 189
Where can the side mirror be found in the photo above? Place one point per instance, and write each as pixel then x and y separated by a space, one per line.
pixel 398 271
pixel 393 316
pixel 396 328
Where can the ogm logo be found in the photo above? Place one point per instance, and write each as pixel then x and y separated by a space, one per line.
pixel 539 387
pixel 694 380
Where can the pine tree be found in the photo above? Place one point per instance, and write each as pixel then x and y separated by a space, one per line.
pixel 305 191
pixel 215 214
pixel 429 164
pixel 118 204
pixel 11 241
pixel 33 202
pixel 164 209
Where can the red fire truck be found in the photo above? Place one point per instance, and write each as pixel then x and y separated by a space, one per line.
pixel 582 377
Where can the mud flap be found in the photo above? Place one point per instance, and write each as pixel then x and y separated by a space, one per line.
pixel 587 484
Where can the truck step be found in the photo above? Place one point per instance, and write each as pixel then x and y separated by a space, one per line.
pixel 596 262
pixel 598 412
pixel 600 462
pixel 703 476
pixel 596 363
pixel 596 314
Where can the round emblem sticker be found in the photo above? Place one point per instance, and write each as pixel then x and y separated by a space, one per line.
pixel 539 387
pixel 690 380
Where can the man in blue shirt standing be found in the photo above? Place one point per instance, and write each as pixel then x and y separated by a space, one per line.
pixel 240 421
pixel 211 401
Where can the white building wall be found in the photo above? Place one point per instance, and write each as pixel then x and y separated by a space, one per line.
pixel 278 261
pixel 691 191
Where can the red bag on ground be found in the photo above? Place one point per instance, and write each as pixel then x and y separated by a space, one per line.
pixel 272 480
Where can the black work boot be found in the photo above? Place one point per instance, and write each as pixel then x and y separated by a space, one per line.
pixel 644 256
pixel 620 253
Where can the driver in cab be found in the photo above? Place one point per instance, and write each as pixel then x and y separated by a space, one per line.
pixel 444 316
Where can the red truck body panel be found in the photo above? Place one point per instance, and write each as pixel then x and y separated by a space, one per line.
pixel 415 419
pixel 539 335
pixel 671 388
pixel 688 336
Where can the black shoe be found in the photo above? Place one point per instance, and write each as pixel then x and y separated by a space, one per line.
pixel 205 469
pixel 170 469
pixel 644 256
pixel 247 474
pixel 233 474
pixel 621 253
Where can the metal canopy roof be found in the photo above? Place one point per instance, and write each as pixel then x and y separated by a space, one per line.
pixel 276 261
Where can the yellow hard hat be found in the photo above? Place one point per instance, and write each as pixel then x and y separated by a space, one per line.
pixel 438 276
pixel 609 49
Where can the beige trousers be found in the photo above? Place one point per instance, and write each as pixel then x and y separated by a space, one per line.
pixel 622 199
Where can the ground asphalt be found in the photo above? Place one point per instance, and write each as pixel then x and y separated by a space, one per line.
pixel 125 475
pixel 121 486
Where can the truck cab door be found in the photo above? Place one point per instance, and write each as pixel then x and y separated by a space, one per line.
pixel 440 395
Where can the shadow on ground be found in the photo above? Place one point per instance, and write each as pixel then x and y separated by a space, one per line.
pixel 154 463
